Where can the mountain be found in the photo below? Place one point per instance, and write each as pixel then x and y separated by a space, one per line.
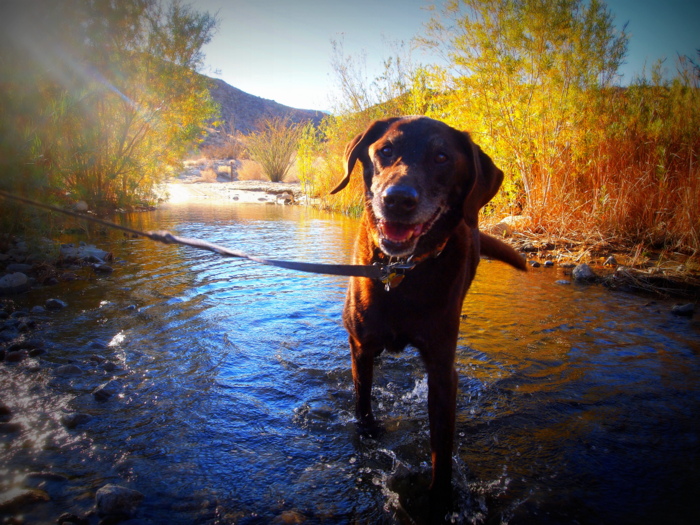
pixel 240 111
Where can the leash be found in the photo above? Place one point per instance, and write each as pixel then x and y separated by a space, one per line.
pixel 386 273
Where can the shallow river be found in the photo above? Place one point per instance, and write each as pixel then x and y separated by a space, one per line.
pixel 235 402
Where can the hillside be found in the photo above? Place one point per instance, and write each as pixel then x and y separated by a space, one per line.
pixel 240 110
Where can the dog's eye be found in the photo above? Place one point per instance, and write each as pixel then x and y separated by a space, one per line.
pixel 441 158
pixel 386 151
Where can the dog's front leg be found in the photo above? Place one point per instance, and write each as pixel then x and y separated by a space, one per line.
pixel 362 375
pixel 442 401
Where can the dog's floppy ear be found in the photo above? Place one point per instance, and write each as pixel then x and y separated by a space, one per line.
pixel 486 180
pixel 358 149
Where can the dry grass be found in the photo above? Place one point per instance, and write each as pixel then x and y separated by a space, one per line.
pixel 207 175
pixel 251 170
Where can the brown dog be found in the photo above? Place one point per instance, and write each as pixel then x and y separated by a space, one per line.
pixel 425 183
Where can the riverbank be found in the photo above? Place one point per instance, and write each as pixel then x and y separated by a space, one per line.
pixel 663 274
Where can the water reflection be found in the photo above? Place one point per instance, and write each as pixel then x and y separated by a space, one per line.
pixel 233 398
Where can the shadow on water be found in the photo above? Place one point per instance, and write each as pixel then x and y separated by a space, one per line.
pixel 233 400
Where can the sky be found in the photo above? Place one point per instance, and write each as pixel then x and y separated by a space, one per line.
pixel 281 49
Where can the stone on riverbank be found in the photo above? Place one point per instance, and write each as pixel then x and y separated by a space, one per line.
pixel 583 273
pixel 14 283
pixel 115 500
pixel 14 500
pixel 85 252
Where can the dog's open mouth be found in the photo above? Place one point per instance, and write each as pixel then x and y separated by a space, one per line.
pixel 399 238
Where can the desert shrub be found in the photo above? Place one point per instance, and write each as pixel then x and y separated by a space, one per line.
pixel 274 146
pixel 250 170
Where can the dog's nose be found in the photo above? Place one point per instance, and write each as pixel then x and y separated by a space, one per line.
pixel 400 199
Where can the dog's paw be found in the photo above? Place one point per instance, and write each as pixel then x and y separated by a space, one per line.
pixel 369 428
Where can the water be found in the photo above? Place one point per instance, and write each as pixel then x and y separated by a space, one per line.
pixel 235 402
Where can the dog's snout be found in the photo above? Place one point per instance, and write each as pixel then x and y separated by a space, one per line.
pixel 400 198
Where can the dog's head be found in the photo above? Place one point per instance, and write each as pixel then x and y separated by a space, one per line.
pixel 421 178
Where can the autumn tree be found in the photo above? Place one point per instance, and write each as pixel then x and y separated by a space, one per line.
pixel 522 75
pixel 100 99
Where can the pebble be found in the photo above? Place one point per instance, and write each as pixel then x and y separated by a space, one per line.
pixel 15 500
pixel 26 344
pixel 10 428
pixel 75 419
pixel 583 272
pixel 55 304
pixel 68 518
pixel 548 264
pixel 534 264
pixel 102 268
pixel 115 500
pixel 68 370
pixel 562 281
pixel 610 261
pixel 16 356
pixel 107 390
pixel 683 310
pixel 5 413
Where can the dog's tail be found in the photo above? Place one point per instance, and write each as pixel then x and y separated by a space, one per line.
pixel 495 249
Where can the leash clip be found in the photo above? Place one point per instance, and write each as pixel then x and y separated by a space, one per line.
pixel 393 273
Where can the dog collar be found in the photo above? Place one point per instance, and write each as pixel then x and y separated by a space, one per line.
pixel 394 271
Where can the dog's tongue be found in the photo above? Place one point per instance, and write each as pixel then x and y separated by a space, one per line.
pixel 398 232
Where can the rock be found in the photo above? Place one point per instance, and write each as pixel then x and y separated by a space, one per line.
pixel 107 390
pixel 528 247
pixel 114 500
pixel 72 519
pixel 19 267
pixel 75 419
pixel 15 500
pixel 683 310
pixel 16 356
pixel 583 273
pixel 55 304
pixel 80 206
pixel 109 367
pixel 8 334
pixel 5 413
pixel 534 264
pixel 14 283
pixel 610 261
pixel 84 252
pixel 68 370
pixel 548 264
pixel 10 428
pixel 36 352
pixel 48 481
pixel 38 309
pixel 26 344
pixel 562 281
pixel 568 265
pixel 102 268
